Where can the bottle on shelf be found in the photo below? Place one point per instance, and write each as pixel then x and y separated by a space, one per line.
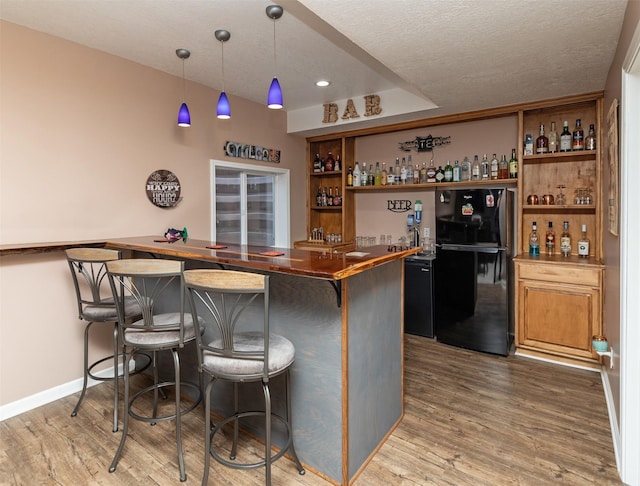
pixel 403 171
pixel 542 142
pixel 329 162
pixel 330 197
pixel 565 138
pixel 383 174
pixel 554 139
pixel 423 173
pixel 431 172
pixel 578 136
pixel 325 200
pixel 409 170
pixel 317 165
pixel 338 163
pixel 590 141
pixel 534 240
pixel 364 176
pixel 448 172
pixel 377 176
pixel 466 169
pixel 416 174
pixel 356 175
pixel 457 172
pixel 396 173
pixel 372 175
pixel 319 197
pixel 390 175
pixel 550 239
pixel 513 165
pixel 440 174
pixel 350 177
pixel 484 168
pixel 475 169
pixel 503 168
pixel 583 243
pixel 337 199
pixel 565 240
pixel 495 168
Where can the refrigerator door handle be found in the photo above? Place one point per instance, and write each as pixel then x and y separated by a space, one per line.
pixel 477 249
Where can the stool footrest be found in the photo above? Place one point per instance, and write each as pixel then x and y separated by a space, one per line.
pixel 160 387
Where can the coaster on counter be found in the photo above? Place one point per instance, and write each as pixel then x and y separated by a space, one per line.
pixel 272 253
pixel 216 247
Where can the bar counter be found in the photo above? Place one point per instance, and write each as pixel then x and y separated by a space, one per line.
pixel 344 314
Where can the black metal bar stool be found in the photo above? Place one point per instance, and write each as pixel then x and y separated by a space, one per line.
pixel 154 284
pixel 88 269
pixel 239 356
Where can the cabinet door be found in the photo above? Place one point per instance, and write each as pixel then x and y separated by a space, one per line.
pixel 558 318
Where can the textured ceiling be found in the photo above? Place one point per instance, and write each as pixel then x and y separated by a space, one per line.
pixel 460 54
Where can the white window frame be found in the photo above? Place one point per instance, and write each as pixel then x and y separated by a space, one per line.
pixel 281 206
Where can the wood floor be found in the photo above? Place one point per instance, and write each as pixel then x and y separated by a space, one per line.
pixel 470 419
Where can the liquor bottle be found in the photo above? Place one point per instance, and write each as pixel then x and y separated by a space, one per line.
pixel 416 174
pixel 457 172
pixel 356 175
pixel 372 175
pixel 495 167
pixel 550 239
pixel 325 200
pixel 330 197
pixel 431 172
pixel 423 173
pixel 390 176
pixel 484 168
pixel 475 169
pixel 350 177
pixel 364 176
pixel 466 169
pixel 554 139
pixel 383 174
pixel 409 170
pixel 534 241
pixel 329 162
pixel 513 165
pixel 396 172
pixel 503 168
pixel 403 171
pixel 377 176
pixel 440 174
pixel 338 164
pixel 448 172
pixel 565 138
pixel 590 141
pixel 583 243
pixel 565 240
pixel 317 166
pixel 319 197
pixel 578 136
pixel 542 142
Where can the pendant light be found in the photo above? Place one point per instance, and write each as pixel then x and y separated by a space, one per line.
pixel 274 97
pixel 184 118
pixel 223 110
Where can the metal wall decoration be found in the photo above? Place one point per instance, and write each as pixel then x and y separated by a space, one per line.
pixel 399 205
pixel 424 144
pixel 163 189
pixel 255 152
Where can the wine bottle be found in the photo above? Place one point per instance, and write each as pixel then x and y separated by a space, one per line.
pixel 513 165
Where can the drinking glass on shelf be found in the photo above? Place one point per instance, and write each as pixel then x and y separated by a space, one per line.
pixel 561 199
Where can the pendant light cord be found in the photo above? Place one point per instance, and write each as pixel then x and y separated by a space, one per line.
pixel 184 83
pixel 275 64
pixel 222 42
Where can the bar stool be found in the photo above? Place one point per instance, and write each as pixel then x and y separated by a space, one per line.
pixel 154 284
pixel 237 356
pixel 89 263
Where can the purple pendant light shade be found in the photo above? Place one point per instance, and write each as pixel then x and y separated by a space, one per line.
pixel 184 118
pixel 274 97
pixel 223 109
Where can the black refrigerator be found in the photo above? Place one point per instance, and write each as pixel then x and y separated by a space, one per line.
pixel 473 305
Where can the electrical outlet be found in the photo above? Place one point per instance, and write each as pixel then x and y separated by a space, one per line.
pixel 427 232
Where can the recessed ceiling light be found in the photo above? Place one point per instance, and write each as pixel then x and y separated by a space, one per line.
pixel 323 83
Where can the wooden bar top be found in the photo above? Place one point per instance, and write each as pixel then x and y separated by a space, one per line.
pixel 331 266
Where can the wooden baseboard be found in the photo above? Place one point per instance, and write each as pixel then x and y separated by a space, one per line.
pixel 562 360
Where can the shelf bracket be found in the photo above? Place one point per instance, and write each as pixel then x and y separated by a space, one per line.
pixel 337 286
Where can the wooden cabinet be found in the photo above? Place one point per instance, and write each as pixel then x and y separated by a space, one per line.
pixel 559 309
pixel 333 220
pixel 559 299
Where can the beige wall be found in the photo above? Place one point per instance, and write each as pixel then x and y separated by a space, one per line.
pixel 81 132
pixel 611 243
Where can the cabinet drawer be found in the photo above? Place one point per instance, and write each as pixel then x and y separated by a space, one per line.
pixel 548 272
